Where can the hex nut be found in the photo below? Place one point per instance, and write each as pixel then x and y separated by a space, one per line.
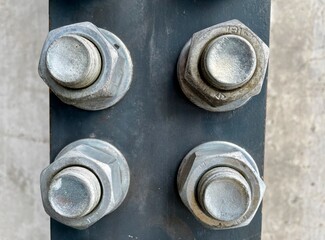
pixel 228 173
pixel 115 74
pixel 221 67
pixel 101 159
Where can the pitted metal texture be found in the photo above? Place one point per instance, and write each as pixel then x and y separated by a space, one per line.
pixel 85 66
pixel 220 68
pixel 88 180
pixel 74 192
pixel 220 184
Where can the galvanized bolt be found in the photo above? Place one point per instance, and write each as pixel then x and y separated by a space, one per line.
pixel 220 184
pixel 88 180
pixel 222 67
pixel 229 62
pixel 86 66
pixel 73 61
pixel 74 192
pixel 224 194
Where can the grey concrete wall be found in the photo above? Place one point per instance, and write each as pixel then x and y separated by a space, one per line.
pixel 294 206
pixel 24 120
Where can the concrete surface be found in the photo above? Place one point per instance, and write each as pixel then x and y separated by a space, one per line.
pixel 294 206
pixel 24 120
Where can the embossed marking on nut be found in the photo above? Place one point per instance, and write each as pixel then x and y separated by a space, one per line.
pixel 222 67
pixel 220 184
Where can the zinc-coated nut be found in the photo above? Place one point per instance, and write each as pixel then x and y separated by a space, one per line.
pixel 220 68
pixel 220 184
pixel 88 179
pixel 85 66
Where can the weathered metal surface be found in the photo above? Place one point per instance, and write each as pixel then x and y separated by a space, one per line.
pixel 192 184
pixel 115 75
pixel 109 166
pixel 229 62
pixel 74 192
pixel 155 125
pixel 197 83
pixel 73 61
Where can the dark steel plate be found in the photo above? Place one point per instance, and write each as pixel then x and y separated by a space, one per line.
pixel 155 125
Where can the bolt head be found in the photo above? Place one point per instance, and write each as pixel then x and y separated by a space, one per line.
pixel 73 61
pixel 74 192
pixel 229 62
pixel 224 194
